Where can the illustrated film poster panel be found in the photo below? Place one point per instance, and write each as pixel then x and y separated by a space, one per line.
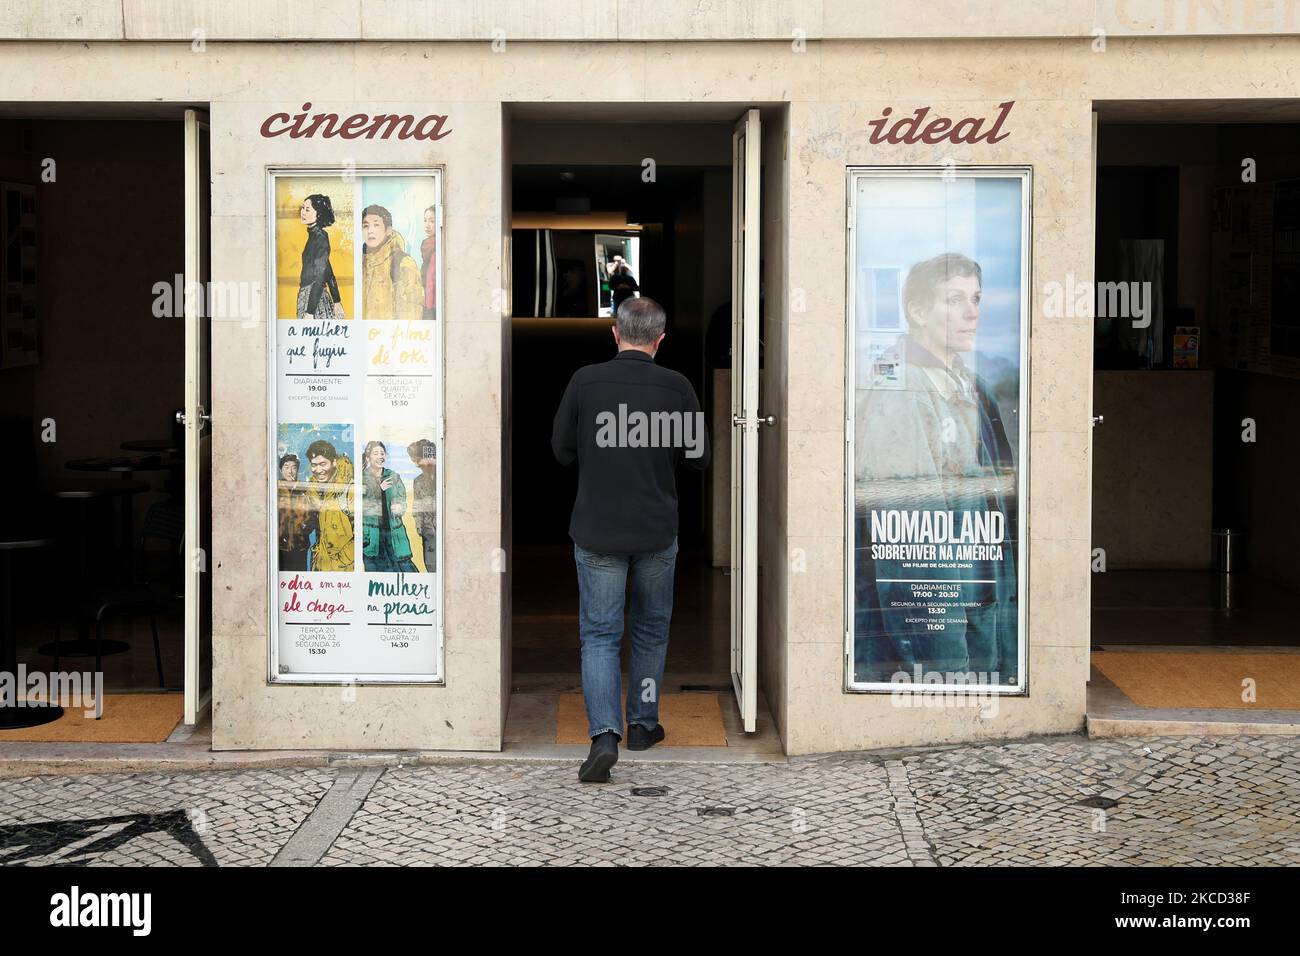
pixel 357 354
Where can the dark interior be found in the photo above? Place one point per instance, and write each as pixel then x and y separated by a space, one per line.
pixel 101 365
pixel 684 222
pixel 1174 460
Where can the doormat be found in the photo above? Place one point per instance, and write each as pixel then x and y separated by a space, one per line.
pixel 689 720
pixel 128 719
pixel 1161 679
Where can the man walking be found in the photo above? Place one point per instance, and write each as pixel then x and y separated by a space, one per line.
pixel 628 423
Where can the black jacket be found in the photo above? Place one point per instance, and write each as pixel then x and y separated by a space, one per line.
pixel 627 455
pixel 622 286
pixel 317 273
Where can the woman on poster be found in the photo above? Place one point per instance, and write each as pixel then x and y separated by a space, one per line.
pixel 318 290
pixel 385 546
pixel 429 263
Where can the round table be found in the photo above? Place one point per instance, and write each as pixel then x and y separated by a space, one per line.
pixel 73 488
pixel 126 467
pixel 173 455
pixel 83 491
pixel 27 715
pixel 158 446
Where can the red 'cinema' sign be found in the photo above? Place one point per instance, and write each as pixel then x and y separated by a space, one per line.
pixel 331 125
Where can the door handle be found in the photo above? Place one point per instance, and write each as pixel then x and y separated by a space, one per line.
pixel 769 420
pixel 1098 420
pixel 204 417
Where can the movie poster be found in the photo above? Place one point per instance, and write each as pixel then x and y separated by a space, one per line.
pixel 356 360
pixel 940 319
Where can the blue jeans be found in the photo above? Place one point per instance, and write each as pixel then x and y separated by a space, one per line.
pixel 602 584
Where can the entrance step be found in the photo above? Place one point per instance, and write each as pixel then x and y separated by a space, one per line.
pixel 1112 714
pixel 541 726
pixel 659 754
pixel 1171 724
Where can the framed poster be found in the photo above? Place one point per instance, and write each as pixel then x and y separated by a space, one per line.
pixel 355 338
pixel 938 392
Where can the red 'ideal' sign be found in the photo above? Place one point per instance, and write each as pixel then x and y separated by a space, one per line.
pixel 969 129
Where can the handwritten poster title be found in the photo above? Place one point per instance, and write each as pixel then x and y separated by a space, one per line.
pixel 328 342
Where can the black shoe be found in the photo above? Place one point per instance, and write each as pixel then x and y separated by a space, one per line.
pixel 604 754
pixel 638 738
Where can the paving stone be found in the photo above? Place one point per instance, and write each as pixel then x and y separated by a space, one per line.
pixel 190 819
pixel 1013 803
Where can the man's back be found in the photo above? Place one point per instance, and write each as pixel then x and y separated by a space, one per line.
pixel 628 423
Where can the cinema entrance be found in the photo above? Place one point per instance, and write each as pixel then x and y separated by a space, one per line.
pixel 1196 386
pixel 685 197
pixel 104 398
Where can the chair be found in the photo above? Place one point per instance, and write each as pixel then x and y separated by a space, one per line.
pixel 164 521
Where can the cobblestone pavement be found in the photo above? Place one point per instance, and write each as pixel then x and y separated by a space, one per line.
pixel 234 818
pixel 1213 801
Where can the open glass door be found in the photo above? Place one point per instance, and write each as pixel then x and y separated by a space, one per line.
pixel 745 146
pixel 198 441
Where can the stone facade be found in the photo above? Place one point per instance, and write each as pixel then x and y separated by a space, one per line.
pixel 825 80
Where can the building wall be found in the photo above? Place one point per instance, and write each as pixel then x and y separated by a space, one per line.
pixel 466 712
pixel 640 20
pixel 777 555
pixel 833 87
pixel 505 558
pixel 1053 84
pixel 829 132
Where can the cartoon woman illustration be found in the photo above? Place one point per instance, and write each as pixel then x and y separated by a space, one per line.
pixel 318 290
pixel 385 546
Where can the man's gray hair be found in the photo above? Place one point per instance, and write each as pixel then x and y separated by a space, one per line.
pixel 640 321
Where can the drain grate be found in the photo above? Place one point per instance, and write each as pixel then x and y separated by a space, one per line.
pixel 1100 803
pixel 649 791
pixel 716 811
